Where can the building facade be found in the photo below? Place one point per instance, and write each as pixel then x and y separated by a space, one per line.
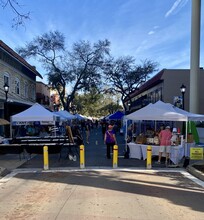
pixel 20 77
pixel 43 94
pixel 165 86
pixel 47 96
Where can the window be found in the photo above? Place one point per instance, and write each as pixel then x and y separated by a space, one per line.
pixel 6 78
pixel 17 86
pixel 159 94
pixel 26 89
pixel 33 93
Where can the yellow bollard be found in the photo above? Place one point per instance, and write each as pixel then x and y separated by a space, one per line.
pixel 82 156
pixel 149 157
pixel 115 156
pixel 45 156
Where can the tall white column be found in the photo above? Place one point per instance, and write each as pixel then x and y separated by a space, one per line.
pixel 195 56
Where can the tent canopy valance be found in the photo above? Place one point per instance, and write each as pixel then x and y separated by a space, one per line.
pixel 161 111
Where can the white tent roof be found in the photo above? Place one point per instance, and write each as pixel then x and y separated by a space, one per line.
pixel 35 113
pixel 161 111
pixel 65 114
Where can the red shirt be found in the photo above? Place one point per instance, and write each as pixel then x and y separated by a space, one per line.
pixel 165 137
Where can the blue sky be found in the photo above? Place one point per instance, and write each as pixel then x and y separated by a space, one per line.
pixel 157 30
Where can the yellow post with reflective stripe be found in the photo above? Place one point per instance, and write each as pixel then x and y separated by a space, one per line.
pixel 149 157
pixel 115 156
pixel 45 157
pixel 82 156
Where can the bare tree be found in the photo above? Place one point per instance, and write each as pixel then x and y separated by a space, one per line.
pixel 86 62
pixel 20 17
pixel 75 70
pixel 124 76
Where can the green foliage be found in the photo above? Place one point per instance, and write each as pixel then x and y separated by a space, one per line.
pixel 95 104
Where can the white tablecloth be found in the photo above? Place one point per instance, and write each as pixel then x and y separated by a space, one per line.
pixel 155 150
pixel 140 151
pixel 177 153
pixel 135 151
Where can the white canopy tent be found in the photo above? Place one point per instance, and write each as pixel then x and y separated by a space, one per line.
pixel 161 111
pixel 66 115
pixel 36 113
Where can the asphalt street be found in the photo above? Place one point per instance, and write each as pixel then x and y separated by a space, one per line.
pixel 95 155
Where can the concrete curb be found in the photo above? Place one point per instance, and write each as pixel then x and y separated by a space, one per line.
pixel 195 172
pixel 3 171
pixel 8 163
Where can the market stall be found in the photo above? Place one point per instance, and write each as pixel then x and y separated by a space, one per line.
pixel 161 111
pixel 35 115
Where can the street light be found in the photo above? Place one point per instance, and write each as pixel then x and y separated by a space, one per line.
pixel 183 90
pixel 129 107
pixel 6 89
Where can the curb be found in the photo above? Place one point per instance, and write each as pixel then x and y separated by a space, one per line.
pixel 3 171
pixel 195 172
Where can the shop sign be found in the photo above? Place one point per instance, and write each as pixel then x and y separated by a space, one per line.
pixel 196 153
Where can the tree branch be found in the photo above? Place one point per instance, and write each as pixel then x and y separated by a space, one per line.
pixel 21 17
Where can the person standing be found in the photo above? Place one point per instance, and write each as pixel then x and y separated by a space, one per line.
pixel 165 143
pixel 109 140
pixel 103 127
pixel 130 133
pixel 87 130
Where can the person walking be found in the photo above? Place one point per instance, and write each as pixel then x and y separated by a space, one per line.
pixel 165 143
pixel 109 140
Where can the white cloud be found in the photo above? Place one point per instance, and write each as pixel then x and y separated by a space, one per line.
pixel 156 27
pixel 178 4
pixel 151 32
